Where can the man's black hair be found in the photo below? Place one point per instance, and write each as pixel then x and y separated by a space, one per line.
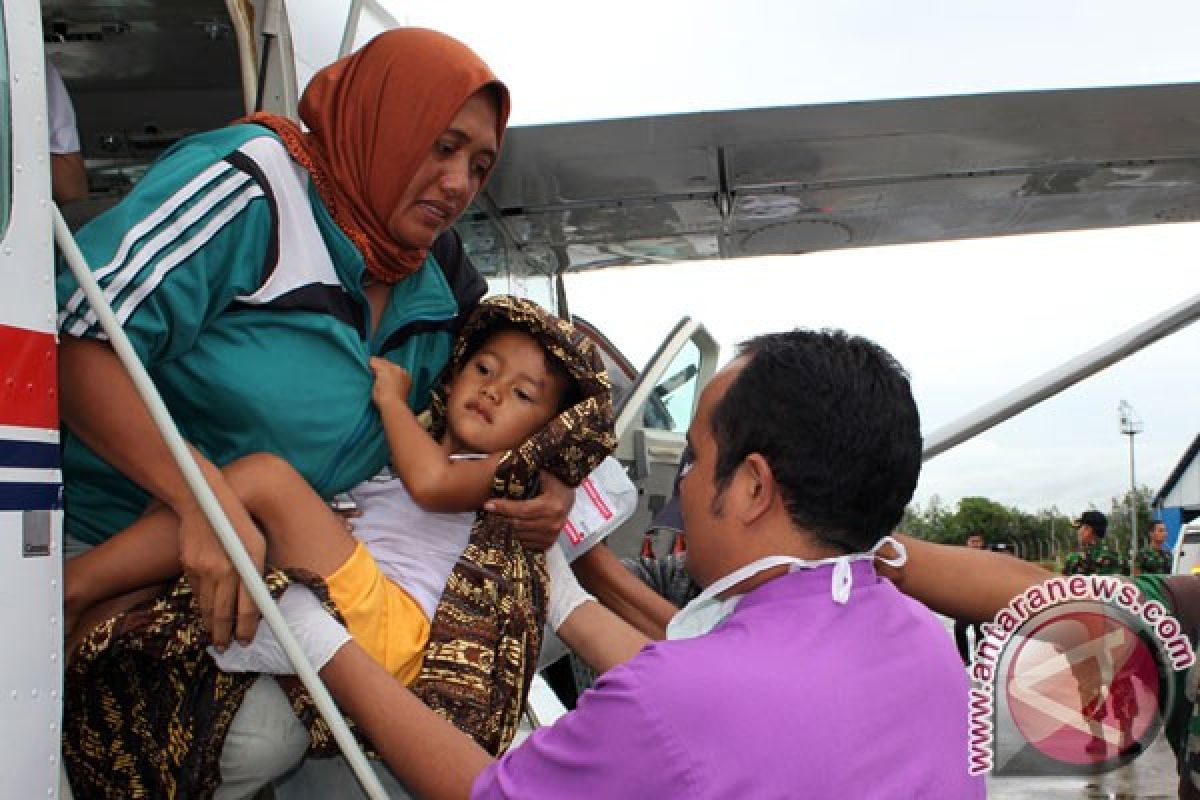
pixel 835 418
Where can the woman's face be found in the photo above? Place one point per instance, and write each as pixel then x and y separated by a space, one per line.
pixel 450 176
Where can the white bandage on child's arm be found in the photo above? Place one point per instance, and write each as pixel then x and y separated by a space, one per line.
pixel 319 634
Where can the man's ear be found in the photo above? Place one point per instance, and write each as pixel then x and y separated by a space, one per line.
pixel 757 491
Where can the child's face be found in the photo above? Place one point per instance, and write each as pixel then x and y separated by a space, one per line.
pixel 503 395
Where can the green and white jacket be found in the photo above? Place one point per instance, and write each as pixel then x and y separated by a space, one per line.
pixel 244 300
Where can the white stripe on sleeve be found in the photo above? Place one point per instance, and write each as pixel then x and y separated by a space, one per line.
pixel 146 225
pixel 166 236
pixel 231 210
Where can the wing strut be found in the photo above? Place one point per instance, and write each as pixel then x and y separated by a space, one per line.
pixel 1065 375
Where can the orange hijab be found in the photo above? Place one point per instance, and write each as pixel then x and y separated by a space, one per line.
pixel 373 117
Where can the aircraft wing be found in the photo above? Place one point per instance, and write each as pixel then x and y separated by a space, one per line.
pixel 579 196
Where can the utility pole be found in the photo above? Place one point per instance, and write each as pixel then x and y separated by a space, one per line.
pixel 1053 541
pixel 1131 425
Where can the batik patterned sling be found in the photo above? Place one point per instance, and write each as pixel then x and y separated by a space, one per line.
pixel 486 634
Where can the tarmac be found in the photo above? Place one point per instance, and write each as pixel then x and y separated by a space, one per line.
pixel 1150 775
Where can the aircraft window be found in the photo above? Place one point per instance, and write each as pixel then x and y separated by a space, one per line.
pixel 621 383
pixel 672 401
pixel 484 244
pixel 1191 538
pixel 5 133
pixel 620 373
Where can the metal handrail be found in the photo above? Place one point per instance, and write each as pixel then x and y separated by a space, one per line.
pixel 212 509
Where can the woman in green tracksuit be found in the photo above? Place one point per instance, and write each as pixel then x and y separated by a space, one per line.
pixel 256 270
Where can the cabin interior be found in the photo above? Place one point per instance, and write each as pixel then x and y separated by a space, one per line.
pixel 141 76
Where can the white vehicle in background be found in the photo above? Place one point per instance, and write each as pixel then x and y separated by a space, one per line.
pixel 1186 559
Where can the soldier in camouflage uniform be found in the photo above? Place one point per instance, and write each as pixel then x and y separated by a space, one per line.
pixel 1093 558
pixel 1154 559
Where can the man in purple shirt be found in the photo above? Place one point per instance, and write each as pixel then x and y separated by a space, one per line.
pixel 797 673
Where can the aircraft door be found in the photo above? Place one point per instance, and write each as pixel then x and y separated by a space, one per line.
pixel 30 480
pixel 652 421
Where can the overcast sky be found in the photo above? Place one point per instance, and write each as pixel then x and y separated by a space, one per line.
pixel 970 320
pixel 568 61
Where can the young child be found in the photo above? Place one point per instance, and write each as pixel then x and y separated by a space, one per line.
pixel 387 576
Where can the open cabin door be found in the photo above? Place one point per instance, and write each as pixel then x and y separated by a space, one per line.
pixel 652 422
pixel 654 409
pixel 30 480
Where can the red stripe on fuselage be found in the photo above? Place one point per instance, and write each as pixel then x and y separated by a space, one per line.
pixel 28 378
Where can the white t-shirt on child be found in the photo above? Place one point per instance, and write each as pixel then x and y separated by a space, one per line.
pixel 414 548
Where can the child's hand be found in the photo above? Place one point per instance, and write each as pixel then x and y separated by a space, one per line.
pixel 392 383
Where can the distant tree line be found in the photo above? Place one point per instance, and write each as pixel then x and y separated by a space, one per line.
pixel 1045 535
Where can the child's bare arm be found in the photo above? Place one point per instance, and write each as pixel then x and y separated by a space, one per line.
pixel 298 527
pixel 435 482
